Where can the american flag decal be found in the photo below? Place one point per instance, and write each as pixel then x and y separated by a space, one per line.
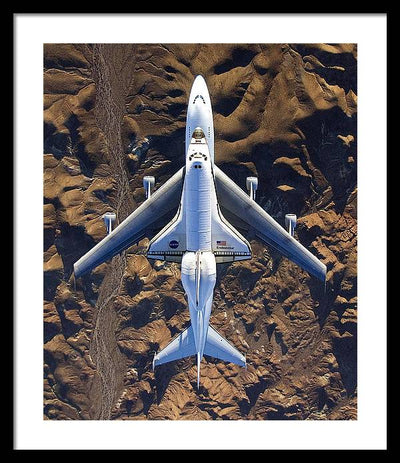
pixel 221 243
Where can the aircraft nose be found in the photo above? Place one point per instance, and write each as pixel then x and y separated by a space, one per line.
pixel 199 87
pixel 199 80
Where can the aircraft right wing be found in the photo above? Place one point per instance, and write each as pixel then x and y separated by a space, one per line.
pixel 134 227
pixel 236 201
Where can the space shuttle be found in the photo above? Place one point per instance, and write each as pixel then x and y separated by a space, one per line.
pixel 199 236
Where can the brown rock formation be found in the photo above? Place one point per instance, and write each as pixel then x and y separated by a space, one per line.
pixel 116 112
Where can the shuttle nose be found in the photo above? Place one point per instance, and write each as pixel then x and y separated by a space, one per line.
pixel 199 113
pixel 199 87
pixel 199 81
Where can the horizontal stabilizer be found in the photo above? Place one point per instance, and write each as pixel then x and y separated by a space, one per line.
pixel 180 347
pixel 218 347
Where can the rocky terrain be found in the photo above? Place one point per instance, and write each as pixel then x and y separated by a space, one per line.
pixel 286 113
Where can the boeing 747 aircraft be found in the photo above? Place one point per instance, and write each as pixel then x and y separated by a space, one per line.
pixel 199 237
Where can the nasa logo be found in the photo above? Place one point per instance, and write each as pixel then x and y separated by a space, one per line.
pixel 173 244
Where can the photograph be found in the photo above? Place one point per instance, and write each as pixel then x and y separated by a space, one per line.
pixel 200 220
pixel 200 231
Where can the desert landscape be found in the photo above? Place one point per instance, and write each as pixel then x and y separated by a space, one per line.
pixel 286 113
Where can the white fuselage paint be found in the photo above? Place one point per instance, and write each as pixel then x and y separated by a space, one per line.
pixel 198 267
pixel 197 197
pixel 199 114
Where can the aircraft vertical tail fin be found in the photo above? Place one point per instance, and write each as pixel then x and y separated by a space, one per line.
pixel 198 369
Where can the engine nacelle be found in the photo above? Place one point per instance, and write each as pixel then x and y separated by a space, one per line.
pixel 109 218
pixel 290 223
pixel 251 185
pixel 148 183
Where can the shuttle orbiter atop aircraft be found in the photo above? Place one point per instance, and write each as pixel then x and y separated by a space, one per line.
pixel 199 236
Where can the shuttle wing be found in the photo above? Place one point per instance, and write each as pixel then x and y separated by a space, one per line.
pixel 236 201
pixel 227 243
pixel 135 226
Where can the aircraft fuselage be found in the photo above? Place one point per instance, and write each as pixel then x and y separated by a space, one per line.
pixel 198 267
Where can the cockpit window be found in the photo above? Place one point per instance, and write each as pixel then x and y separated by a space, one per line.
pixel 198 134
pixel 197 156
pixel 199 96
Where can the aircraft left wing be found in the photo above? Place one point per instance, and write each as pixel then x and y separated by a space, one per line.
pixel 134 227
pixel 237 202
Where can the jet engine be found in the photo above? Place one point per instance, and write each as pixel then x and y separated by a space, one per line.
pixel 251 185
pixel 290 223
pixel 109 218
pixel 148 183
